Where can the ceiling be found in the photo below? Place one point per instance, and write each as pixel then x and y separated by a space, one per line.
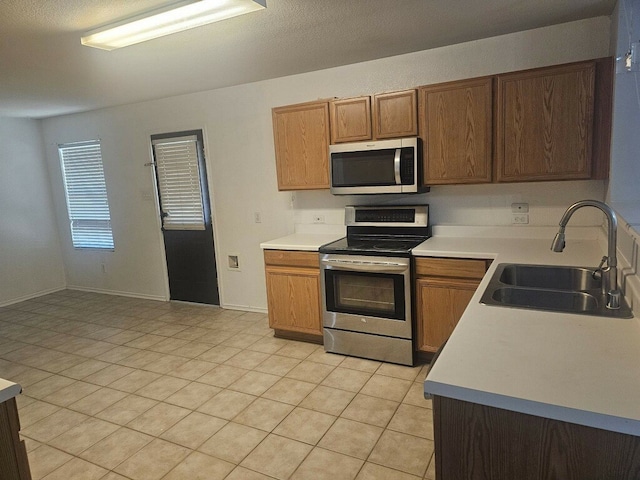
pixel 45 71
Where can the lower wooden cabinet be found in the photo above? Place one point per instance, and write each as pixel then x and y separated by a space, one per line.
pixel 444 287
pixel 14 464
pixel 293 294
pixel 478 442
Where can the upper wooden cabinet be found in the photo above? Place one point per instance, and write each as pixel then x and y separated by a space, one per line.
pixel 394 115
pixel 301 137
pixel 456 128
pixel 544 123
pixel 350 119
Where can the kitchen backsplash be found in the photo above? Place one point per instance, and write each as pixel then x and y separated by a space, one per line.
pixel 465 204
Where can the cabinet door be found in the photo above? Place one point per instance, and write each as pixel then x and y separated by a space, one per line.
pixel 545 123
pixel 301 136
pixel 293 296
pixel 440 304
pixel 350 120
pixel 456 127
pixel 395 114
pixel 14 463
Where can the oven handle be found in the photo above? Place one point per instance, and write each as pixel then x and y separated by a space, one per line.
pixel 358 266
pixel 396 166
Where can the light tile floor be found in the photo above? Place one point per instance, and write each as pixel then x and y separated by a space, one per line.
pixel 122 388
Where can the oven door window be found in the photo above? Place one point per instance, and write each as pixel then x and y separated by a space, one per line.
pixel 362 293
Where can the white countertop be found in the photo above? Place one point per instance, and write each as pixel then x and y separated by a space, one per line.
pixel 8 390
pixel 576 368
pixel 301 241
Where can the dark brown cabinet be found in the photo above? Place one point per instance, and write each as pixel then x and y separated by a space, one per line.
pixel 14 464
pixel 478 442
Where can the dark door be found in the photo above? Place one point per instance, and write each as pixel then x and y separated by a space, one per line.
pixel 185 209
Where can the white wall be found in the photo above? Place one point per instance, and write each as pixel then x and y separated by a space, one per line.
pixel 625 151
pixel 30 256
pixel 241 165
pixel 624 194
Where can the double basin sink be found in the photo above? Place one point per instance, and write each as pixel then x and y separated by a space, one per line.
pixel 551 288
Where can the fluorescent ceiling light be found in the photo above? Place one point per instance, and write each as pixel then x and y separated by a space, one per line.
pixel 176 17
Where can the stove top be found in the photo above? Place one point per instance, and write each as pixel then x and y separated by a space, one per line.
pixel 382 230
pixel 374 245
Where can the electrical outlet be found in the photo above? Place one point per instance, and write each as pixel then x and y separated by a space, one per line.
pixel 318 219
pixel 520 218
pixel 257 217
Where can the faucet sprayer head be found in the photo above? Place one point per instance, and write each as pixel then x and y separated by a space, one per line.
pixel 558 242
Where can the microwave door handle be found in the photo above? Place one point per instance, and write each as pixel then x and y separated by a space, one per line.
pixel 396 166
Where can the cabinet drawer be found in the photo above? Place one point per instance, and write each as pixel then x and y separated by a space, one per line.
pixel 292 258
pixel 450 267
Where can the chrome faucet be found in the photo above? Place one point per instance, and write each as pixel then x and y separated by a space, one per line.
pixel 610 273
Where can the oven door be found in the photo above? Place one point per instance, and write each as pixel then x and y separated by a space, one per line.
pixel 367 294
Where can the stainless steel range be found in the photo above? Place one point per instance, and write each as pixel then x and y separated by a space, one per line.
pixel 366 283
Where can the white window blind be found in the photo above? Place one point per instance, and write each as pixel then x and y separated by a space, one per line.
pixel 86 193
pixel 179 183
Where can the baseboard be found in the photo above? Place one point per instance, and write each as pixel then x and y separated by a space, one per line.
pixel 118 292
pixel 31 295
pixel 244 308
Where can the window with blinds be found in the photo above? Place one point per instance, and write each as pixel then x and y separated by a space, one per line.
pixel 178 176
pixel 86 193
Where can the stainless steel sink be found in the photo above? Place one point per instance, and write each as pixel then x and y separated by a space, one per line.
pixel 555 278
pixel 546 299
pixel 552 288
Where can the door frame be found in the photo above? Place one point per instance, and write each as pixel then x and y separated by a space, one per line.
pixel 212 203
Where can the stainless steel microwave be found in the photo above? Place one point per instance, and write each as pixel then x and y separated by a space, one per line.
pixel 385 166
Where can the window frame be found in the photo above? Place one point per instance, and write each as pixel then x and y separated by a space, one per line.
pixel 89 214
pixel 198 141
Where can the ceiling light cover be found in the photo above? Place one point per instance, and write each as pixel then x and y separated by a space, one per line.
pixel 174 18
